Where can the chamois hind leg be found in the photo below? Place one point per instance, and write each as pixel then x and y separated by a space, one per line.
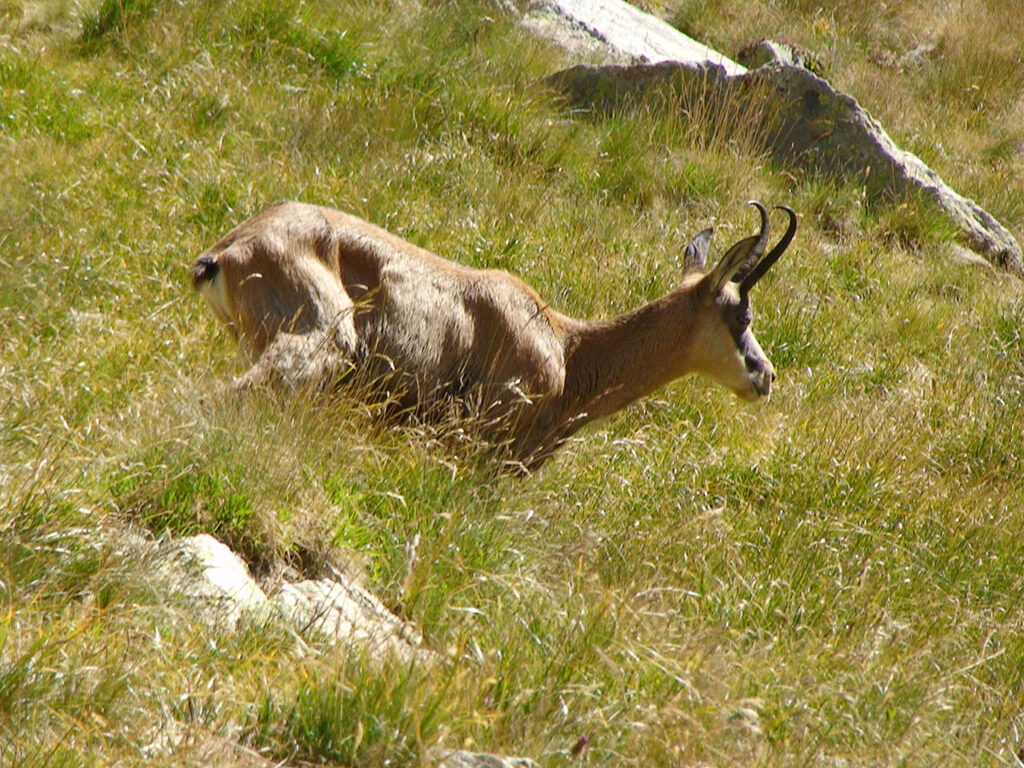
pixel 311 361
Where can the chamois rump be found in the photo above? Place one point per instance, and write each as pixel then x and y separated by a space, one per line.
pixel 318 298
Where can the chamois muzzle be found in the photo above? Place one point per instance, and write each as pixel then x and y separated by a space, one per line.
pixel 763 383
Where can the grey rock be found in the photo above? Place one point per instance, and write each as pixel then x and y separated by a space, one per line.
pixel 218 586
pixel 812 124
pixel 967 257
pixel 767 52
pixel 771 51
pixel 627 31
pixel 213 579
pixel 346 614
pixel 829 132
pixel 604 88
pixel 463 759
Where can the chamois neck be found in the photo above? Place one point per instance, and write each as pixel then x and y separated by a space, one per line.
pixel 611 363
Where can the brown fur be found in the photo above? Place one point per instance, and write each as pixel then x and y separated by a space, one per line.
pixel 314 296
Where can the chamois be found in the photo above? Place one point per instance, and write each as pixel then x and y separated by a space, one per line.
pixel 319 298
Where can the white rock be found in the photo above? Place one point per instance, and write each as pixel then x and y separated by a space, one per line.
pixel 822 128
pixel 346 614
pixel 630 31
pixel 215 579
pixel 462 759
pixel 218 584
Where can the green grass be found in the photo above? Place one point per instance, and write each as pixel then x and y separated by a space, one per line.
pixel 831 578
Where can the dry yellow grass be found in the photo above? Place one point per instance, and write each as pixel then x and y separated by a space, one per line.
pixel 831 579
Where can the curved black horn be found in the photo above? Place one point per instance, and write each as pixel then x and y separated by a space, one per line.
pixel 757 251
pixel 765 264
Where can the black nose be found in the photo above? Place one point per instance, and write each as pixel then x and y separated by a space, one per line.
pixel 758 365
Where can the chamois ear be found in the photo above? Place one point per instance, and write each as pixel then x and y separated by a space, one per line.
pixel 696 254
pixel 735 258
pixel 742 257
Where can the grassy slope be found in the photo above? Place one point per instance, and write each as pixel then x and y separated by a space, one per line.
pixel 829 579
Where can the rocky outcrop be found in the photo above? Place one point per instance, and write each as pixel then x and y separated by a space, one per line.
pixel 213 580
pixel 217 584
pixel 603 88
pixel 829 132
pixel 810 124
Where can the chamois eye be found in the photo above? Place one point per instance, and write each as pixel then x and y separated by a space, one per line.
pixel 739 316
pixel 739 319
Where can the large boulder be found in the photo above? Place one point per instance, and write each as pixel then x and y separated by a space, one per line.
pixel 810 125
pixel 624 32
pixel 827 131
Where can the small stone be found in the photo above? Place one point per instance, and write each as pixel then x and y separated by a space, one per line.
pixel 463 759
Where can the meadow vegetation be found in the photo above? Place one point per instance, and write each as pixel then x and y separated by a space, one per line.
pixel 829 579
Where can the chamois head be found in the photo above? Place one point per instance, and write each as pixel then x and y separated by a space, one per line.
pixel 726 348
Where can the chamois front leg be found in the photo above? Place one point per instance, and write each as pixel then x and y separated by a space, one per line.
pixel 310 362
